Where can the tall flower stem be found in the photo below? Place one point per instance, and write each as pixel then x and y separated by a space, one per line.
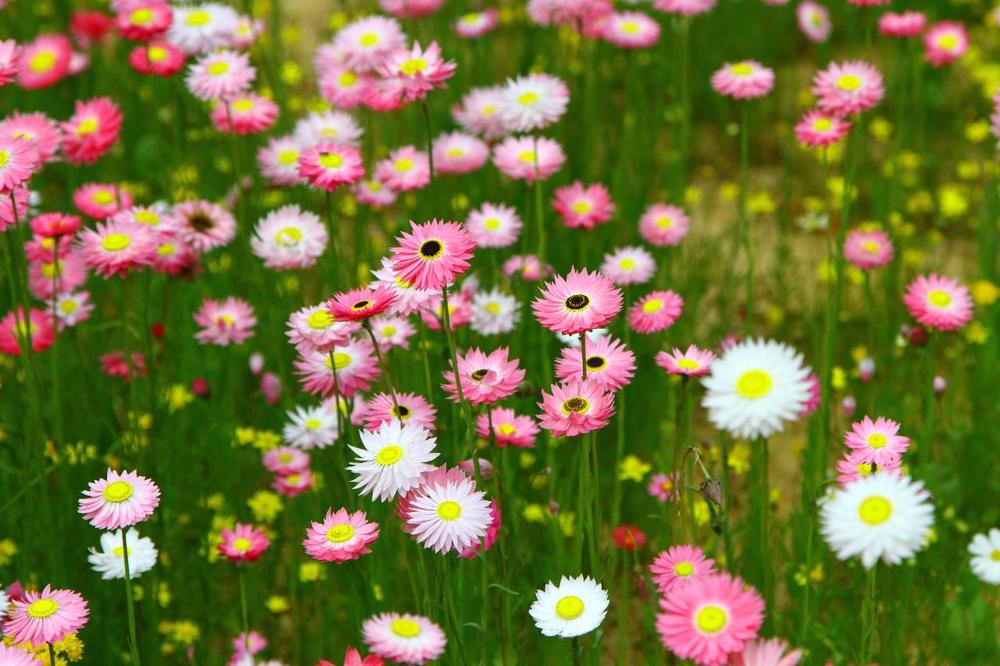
pixel 243 608
pixel 332 231
pixel 761 507
pixel 869 618
pixel 929 404
pixel 52 654
pixel 450 337
pixel 382 364
pixel 539 215
pixel 133 642
pixel 744 219
pixel 428 140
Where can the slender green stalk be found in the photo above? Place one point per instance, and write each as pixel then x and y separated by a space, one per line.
pixel 539 210
pixel 760 534
pixel 744 219
pixel 382 364
pixel 869 618
pixel 133 644
pixel 243 608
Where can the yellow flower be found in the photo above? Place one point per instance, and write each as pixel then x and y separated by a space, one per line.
pixel 761 203
pixel 978 131
pixel 534 513
pixel 178 397
pixel 692 195
pixel 880 129
pixel 976 333
pixel 567 523
pixel 277 604
pixel 267 440
pixel 739 458
pixel 984 292
pixel 245 436
pixel 526 459
pixel 729 191
pixel 215 501
pixel 310 572
pixel 8 549
pixel 702 514
pixel 265 505
pixel 952 200
pixel 291 72
pixel 163 596
pixel 633 469
pixel 839 378
pixel 184 632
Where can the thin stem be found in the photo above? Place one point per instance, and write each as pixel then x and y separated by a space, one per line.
pixel 869 615
pixel 243 609
pixel 744 220
pixel 133 643
pixel 450 337
pixel 52 654
pixel 539 215
pixel 382 364
pixel 583 355
pixel 429 142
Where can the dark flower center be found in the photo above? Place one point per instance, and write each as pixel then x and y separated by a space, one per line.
pixel 431 249
pixel 201 222
pixel 577 405
pixel 361 305
pixel 595 362
pixel 577 302
pixel 402 411
pixel 479 374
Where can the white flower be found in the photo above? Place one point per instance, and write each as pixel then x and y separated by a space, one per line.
pixel 392 459
pixel 311 427
pixel 494 312
pixel 108 561
pixel 4 603
pixel 755 387
pixel 329 127
pixel 574 607
pixel 73 307
pixel 883 516
pixel 409 299
pixel 202 28
pixel 594 335
pixel 532 102
pixel 450 516
pixel 289 237
pixel 985 549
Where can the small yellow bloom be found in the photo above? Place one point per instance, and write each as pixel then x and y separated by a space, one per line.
pixel 976 333
pixel 310 572
pixel 739 458
pixel 534 513
pixel 245 436
pixel 880 129
pixel 567 523
pixel 178 397
pixel 633 469
pixel 761 203
pixel 984 292
pixel 265 505
pixel 267 440
pixel 838 378
pixel 8 549
pixel 277 604
pixel 977 132
pixel 702 514
pixel 526 459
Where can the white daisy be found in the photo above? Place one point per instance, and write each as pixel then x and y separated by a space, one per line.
pixel 985 549
pixel 883 516
pixel 409 299
pixel 532 102
pixel 574 607
pixel 289 237
pixel 392 459
pixel 450 516
pixel 755 387
pixel 203 27
pixel 4 603
pixel 494 312
pixel 311 427
pixel 72 308
pixel 109 562
pixel 329 127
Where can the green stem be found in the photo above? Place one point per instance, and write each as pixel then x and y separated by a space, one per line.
pixel 382 364
pixel 869 614
pixel 539 214
pixel 744 220
pixel 243 607
pixel 133 643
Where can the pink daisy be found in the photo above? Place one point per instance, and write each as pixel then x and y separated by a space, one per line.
pixel 142 20
pixel 355 365
pixel 123 365
pixel 9 55
pixel 204 225
pixel 527 267
pixel 100 200
pixel 159 58
pixel 609 363
pixel 494 225
pixel 342 536
pixel 45 617
pixel 410 639
pixel 655 312
pixel 905 24
pixel 327 166
pixel 746 79
pixel 46 279
pixel 12 656
pixel 343 87
pixel 710 618
pixel 373 192
pixel 476 24
pixel 245 114
pixel 409 74
pixel 664 488
pixel 576 407
pixel 226 322
pixel 279 161
pixel 485 378
pixel 313 328
pixel 876 441
pixel 679 566
pixel 583 207
pixel 848 88
pixel 821 129
pixel 115 248
pixel 433 254
pixel 294 483
pixel 72 308
pixel 409 299
pixel 458 153
pixel 360 304
pixel 18 162
pixel 630 30
pixel 938 302
pixel 663 225
pixel 285 460
pixel 173 256
pixel 459 311
pixel 410 8
pixel 408 408
pixel 684 7
pixel 509 428
pixel 365 43
pixel 243 543
pixel 814 21
pixel 813 401
pixel 121 499
pixel 628 265
pixel 92 130
pixel 392 331
pixel 868 249
pixel 404 170
pixel 525 157
pixel 36 128
pixel 13 208
pixel 477 113
pixel 44 61
pixel 289 238
pixel 854 468
pixel 580 302
pixel 765 652
pixel 16 329
pixel 441 475
pixel 445 517
pixel 570 13
pixel 336 127
pixel 945 42
pixel 220 75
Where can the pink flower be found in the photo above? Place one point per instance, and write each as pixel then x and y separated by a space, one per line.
pixel 583 207
pixel 527 158
pixel 115 248
pixel 313 328
pixel 343 87
pixel 342 536
pixel 410 8
pixel 710 618
pixel 508 428
pixel 494 225
pixel 12 656
pixel 821 129
pixel 945 42
pixel 226 322
pixel 576 407
pixel 663 225
pixel 355 365
pixel 247 644
pixel 679 566
pixel 365 43
pixel 404 170
pixel 16 329
pixel 409 74
pixel 289 238
pixel 9 55
pixel 868 249
pixel 663 487
pixel 580 302
pixel 853 467
pixel 374 193
pixel 746 79
pixel 570 13
pixel 204 225
pixel 45 617
pixel 121 364
pixel 630 30
pixel 101 200
pixel 44 61
pixel 478 113
pixel 142 20
pixel 814 21
pixel 360 304
pixel 684 7
pixel 905 24
pixel 527 267
pixel 655 312
pixel 279 161
pixel 412 409
pixel 410 639
pixel 220 75
pixel 328 165
pixel 159 58
pixel 476 24
pixel 628 265
pixel 451 515
pixel 18 162
pixel 491 532
pixel 245 114
pixel 286 460
pixel 848 88
pixel 876 442
pixel 55 225
pixel 810 405
pixel 36 128
pixel 459 311
pixel 458 153
pixel 48 278
pixel 293 483
pixel 244 543
pixel 433 254
pixel 13 211
pixel 765 652
pixel 121 499
pixel 609 363
pixel 485 378
pixel 92 130
pixel 938 302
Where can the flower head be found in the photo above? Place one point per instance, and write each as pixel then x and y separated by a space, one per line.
pixel 848 88
pixel 342 536
pixel 221 75
pixel 433 254
pixel 938 302
pixel 528 158
pixel 485 378
pixel 327 166
pixel 46 616
pixel 509 428
pixel 663 225
pixel 120 499
pixel 406 638
pixel 360 304
pixel 945 42
pixel 576 407
pixel 448 516
pixel 583 207
pixel 289 238
pixel 609 363
pixel 109 561
pixel 655 312
pixel 226 322
pixel 581 301
pixel 243 543
pixel 679 566
pixel 392 459
pixel 746 79
pixel 821 129
pixel 574 607
pixel 408 408
pixel 985 561
pixel 532 102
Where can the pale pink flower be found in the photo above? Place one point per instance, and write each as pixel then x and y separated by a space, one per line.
pixel 527 158
pixel 746 79
pixel 120 499
pixel 583 207
pixel 663 225
pixel 226 322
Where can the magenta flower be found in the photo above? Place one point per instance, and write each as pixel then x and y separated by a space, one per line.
pixel 609 363
pixel 576 407
pixel 432 255
pixel 244 543
pixel 938 302
pixel 679 566
pixel 342 536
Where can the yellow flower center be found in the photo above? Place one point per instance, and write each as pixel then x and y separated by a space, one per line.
pixel 455 152
pixel 388 331
pixel 119 551
pixel 340 361
pixel 115 242
pixel 243 105
pixel 218 68
pixel 4 158
pixel 369 39
pixel 42 61
pixel 413 66
pixel 875 510
pixel 52 270
pixel 374 185
pixel 742 69
pixel 753 384
pixel 405 628
pixel 582 207
pixel 348 79
pixel 627 264
pixel 68 307
pixel 43 608
pixel 103 197
pixel 870 246
pixel 147 217
pixel 629 27
pixel 849 82
pixel 506 429
pixel 865 469
pixel 320 319
pixel 527 156
pixel 117 491
pixel 711 619
pixel 285 458
pixel 449 510
pixel 401 283
pixel 652 305
pixel 288 236
pixel 471 18
pixel 575 406
pixel 141 16
pixel 403 164
pixel 939 299
pixel 683 569
pixel 340 533
pixel 331 160
pixel 948 42
pixel 664 222
pixel 528 98
pixel 156 53
pixel 288 157
pixel 493 308
pixel 166 250
pixel 389 455
pixel 491 223
pixel 688 364
pixel 242 544
pixel 995 555
pixel 569 607
pixel 876 440
pixel 822 124
pixel 313 424
pixel 198 18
